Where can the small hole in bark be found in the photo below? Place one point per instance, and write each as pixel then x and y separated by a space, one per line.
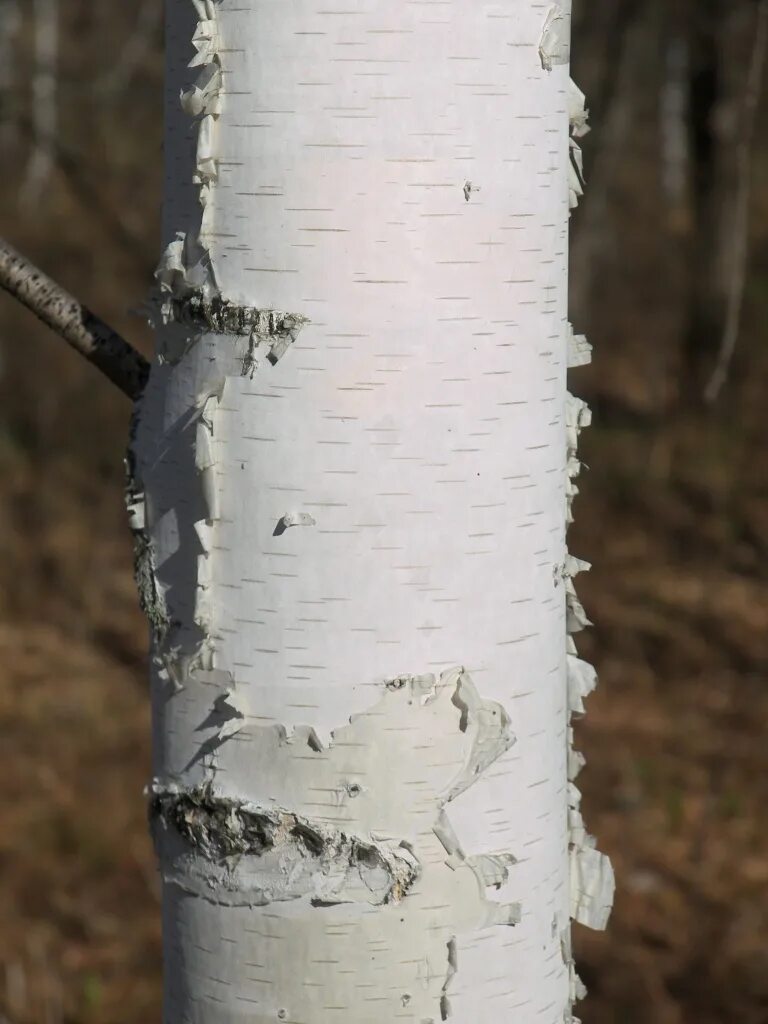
pixel 396 684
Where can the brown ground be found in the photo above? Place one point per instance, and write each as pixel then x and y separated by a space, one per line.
pixel 674 514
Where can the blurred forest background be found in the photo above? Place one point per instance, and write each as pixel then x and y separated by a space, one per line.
pixel 674 513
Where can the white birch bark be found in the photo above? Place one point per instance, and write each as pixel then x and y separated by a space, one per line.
pixel 349 485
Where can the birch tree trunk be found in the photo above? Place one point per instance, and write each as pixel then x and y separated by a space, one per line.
pixel 349 483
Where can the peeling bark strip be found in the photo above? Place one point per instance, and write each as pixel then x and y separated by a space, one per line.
pixel 185 269
pixel 592 882
pixel 577 115
pixel 284 856
pixel 84 331
pixel 555 42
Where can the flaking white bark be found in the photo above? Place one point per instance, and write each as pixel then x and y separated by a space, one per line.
pixel 350 479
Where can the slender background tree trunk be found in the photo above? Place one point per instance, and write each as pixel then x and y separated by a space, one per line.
pixel 349 486
pixel 10 25
pixel 44 100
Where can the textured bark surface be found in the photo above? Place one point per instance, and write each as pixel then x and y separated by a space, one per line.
pixel 351 476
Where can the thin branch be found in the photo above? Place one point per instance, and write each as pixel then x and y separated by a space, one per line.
pixel 84 331
pixel 741 215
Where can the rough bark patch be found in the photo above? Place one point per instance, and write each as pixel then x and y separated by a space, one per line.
pixel 284 855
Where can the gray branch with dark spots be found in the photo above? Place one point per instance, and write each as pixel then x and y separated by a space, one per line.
pixel 86 333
